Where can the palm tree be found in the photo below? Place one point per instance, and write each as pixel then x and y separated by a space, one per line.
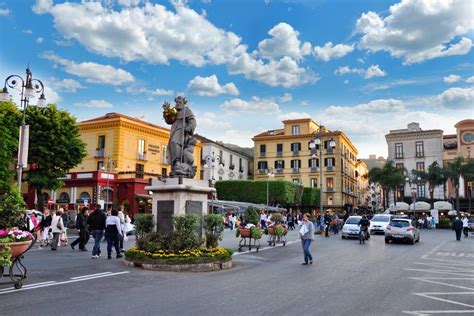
pixel 435 176
pixel 457 169
pixel 389 178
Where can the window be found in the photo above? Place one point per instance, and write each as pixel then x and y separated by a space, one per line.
pixel 399 166
pixel 329 183
pixel 420 190
pixel 263 150
pixel 419 148
pixel 241 167
pixel 295 130
pixel 101 142
pixel 231 161
pixel 139 170
pixel 221 154
pixel 279 164
pixel 141 146
pixel 295 147
pixel 100 165
pixel 164 172
pixel 398 150
pixel 313 183
pixel 164 158
pixel 329 162
pixel 420 166
pixel 296 164
pixel 313 163
pixel 279 149
pixel 262 165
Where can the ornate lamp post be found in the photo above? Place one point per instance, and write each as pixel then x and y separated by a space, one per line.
pixel 28 88
pixel 210 162
pixel 110 165
pixel 317 141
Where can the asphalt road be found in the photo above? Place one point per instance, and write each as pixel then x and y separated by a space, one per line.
pixel 433 277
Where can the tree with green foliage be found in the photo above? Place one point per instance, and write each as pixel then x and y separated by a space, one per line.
pixel 251 215
pixel 55 147
pixel 434 176
pixel 455 170
pixel 10 120
pixel 310 197
pixel 389 178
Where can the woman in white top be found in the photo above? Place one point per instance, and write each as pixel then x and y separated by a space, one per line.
pixel 113 233
pixel 57 227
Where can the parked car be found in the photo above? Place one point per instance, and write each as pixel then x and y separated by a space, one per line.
pixel 400 229
pixel 351 228
pixel 379 223
pixel 470 224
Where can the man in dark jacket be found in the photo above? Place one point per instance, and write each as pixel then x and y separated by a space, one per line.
pixel 457 226
pixel 96 223
pixel 81 226
pixel 327 221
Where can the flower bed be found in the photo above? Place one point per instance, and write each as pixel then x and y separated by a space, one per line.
pixel 198 260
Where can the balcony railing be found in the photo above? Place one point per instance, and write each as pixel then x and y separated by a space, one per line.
pixel 329 151
pixel 313 169
pixel 399 156
pixel 420 155
pixel 279 170
pixel 296 170
pixel 262 171
pixel 279 153
pixel 329 189
pixel 141 157
pixel 296 152
pixel 99 153
pixel 263 154
pixel 329 168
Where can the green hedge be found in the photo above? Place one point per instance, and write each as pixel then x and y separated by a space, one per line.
pixel 310 197
pixel 280 191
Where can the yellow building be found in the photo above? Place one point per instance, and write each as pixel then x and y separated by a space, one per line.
pixel 123 155
pixel 285 154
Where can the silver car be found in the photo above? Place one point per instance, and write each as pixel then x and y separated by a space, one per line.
pixel 402 230
pixel 351 227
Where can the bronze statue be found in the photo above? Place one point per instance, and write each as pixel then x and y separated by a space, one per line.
pixel 182 141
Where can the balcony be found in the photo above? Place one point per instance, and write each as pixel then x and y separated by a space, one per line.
pixel 280 170
pixel 329 168
pixel 262 171
pixel 420 155
pixel 330 151
pixel 399 156
pixel 329 189
pixel 279 154
pixel 141 157
pixel 313 169
pixel 296 170
pixel 262 154
pixel 296 153
pixel 99 153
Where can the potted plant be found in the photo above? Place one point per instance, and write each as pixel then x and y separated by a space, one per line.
pixel 13 243
pixel 251 217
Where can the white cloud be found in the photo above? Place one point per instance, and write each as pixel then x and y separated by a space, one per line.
pixel 68 85
pixel 5 12
pixel 394 83
pixel 346 81
pixel 419 30
pixel 27 31
pixel 470 79
pixel 457 97
pixel 451 79
pixel 209 86
pixel 39 40
pixel 372 71
pixel 211 120
pixel 375 106
pixel 51 95
pixel 284 42
pixel 98 104
pixel 133 89
pixel 129 3
pixel 42 6
pixel 287 97
pixel 93 72
pixel 330 51
pixel 293 116
pixel 63 43
pixel 255 104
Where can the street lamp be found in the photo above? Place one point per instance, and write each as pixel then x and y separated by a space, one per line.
pixel 28 88
pixel 210 162
pixel 270 174
pixel 109 166
pixel 316 141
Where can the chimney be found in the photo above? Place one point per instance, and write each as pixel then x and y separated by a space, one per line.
pixel 414 127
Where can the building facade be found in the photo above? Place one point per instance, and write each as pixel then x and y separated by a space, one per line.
pixel 285 154
pixel 415 149
pixel 123 155
pixel 459 145
pixel 219 162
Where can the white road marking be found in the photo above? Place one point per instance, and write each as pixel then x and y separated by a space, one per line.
pixel 39 285
pixel 447 284
pixel 458 262
pixel 29 285
pixel 264 248
pixel 429 295
pixel 427 313
pixel 444 265
pixel 440 271
pixel 89 275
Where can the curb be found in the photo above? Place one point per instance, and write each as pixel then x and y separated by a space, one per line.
pixel 198 267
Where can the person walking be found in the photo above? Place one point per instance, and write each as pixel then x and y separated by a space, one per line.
pixel 121 216
pixel 232 221
pixel 81 226
pixel 457 226
pixel 327 222
pixel 465 226
pixel 263 219
pixel 113 231
pixel 57 227
pixel 96 222
pixel 45 227
pixel 307 236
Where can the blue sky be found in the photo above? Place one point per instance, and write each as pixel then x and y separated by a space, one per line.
pixel 363 67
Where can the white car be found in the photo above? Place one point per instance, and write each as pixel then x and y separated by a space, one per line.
pixel 379 223
pixel 351 227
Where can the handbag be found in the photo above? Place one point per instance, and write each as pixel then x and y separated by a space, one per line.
pixel 303 230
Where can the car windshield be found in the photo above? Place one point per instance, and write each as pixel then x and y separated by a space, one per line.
pixel 399 223
pixel 380 219
pixel 353 220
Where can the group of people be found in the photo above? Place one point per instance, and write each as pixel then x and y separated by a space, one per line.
pixel 461 226
pixel 51 229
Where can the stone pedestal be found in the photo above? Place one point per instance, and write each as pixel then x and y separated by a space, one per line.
pixel 178 196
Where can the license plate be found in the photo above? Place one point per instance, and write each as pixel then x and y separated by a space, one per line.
pixel 398 236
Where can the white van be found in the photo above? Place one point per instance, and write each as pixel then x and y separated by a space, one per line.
pixel 379 223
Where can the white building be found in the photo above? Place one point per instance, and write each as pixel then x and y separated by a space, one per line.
pixel 223 163
pixel 416 149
